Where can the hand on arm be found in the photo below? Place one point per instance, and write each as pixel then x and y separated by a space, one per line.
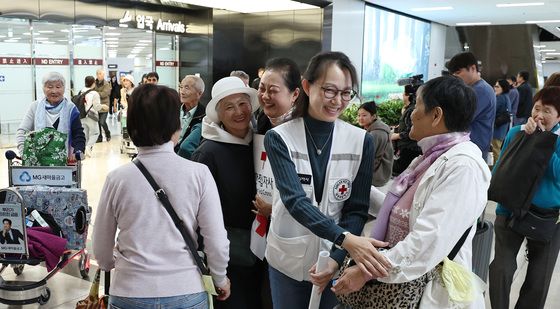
pixel 363 251
pixel 351 280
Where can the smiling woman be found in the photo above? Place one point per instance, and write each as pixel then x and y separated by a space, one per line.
pixel 228 153
pixel 54 111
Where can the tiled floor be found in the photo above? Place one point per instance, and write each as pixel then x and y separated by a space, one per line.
pixel 67 287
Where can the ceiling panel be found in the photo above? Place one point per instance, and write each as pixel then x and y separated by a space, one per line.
pixel 479 11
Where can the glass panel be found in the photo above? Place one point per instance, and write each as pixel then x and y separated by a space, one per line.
pixel 167 60
pixel 16 92
pixel 51 53
pixel 87 55
pixel 129 51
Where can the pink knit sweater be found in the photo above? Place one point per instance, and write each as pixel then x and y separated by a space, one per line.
pixel 150 257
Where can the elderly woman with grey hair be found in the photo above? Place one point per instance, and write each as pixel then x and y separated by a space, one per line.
pixel 55 111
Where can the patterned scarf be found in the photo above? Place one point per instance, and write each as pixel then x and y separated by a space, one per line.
pixel 432 148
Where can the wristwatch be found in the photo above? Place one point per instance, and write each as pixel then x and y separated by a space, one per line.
pixel 340 239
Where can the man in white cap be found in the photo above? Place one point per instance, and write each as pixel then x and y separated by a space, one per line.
pixel 192 112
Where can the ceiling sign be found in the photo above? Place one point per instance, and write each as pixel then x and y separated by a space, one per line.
pixel 167 63
pixel 88 61
pixel 15 61
pixel 148 22
pixel 51 61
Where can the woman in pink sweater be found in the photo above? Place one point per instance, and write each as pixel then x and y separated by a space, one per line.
pixel 152 264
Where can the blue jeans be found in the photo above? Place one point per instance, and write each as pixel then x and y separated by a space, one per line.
pixel 293 294
pixel 189 301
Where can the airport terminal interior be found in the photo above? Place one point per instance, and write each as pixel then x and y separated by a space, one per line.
pixel 386 40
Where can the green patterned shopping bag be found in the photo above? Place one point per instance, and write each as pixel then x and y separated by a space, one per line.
pixel 45 147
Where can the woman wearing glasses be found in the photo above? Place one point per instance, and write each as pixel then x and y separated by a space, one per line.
pixel 323 170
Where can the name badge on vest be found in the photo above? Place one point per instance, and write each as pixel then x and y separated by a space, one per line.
pixel 304 179
pixel 341 189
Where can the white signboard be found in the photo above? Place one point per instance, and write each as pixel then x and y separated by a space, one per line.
pixel 28 176
pixel 263 171
pixel 12 235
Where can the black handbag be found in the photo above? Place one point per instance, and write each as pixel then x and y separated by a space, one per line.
pixel 538 224
pixel 501 119
pixel 519 169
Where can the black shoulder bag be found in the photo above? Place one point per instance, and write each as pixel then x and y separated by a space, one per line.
pixel 162 196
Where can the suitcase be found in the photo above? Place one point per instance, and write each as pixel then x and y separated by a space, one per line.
pixel 68 207
pixel 482 247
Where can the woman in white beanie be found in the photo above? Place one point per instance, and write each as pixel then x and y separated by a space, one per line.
pixel 126 90
pixel 227 151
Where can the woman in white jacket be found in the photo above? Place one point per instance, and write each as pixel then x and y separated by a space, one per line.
pixel 93 102
pixel 436 200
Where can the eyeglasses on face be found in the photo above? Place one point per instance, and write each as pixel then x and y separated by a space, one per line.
pixel 331 93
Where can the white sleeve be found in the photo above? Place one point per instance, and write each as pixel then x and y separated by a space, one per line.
pixel 27 125
pixel 96 101
pixel 457 200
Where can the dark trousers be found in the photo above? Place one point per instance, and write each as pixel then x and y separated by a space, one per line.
pixel 103 124
pixel 542 258
pixel 246 287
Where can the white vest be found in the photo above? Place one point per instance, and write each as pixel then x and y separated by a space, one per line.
pixel 292 248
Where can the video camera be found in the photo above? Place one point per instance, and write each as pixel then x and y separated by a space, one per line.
pixel 415 80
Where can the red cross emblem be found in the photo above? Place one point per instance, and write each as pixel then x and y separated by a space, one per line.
pixel 341 189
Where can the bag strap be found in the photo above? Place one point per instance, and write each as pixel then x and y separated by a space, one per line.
pixel 162 196
pixel 459 244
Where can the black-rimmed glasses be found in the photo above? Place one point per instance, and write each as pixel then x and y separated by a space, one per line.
pixel 345 95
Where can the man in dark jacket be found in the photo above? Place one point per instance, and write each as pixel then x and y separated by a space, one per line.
pixel 525 98
pixel 192 112
pixel 104 89
pixel 9 235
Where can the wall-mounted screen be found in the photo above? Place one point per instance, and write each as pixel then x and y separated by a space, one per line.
pixel 395 46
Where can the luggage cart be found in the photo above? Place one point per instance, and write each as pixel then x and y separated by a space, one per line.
pixel 22 178
pixel 127 146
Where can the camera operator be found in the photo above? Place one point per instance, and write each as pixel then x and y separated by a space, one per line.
pixel 405 148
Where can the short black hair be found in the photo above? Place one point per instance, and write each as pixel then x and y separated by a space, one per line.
pixel 461 61
pixel 289 71
pixel 504 84
pixel 454 97
pixel 513 78
pixel 549 96
pixel 369 107
pixel 153 115
pixel 153 74
pixel 316 69
pixel 89 80
pixel 7 220
pixel 524 75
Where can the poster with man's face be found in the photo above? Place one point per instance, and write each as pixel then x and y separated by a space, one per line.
pixel 12 234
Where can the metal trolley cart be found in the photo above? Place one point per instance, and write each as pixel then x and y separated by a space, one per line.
pixel 18 200
pixel 127 146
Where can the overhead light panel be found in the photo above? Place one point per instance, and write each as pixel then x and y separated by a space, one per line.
pixel 552 54
pixel 251 6
pixel 550 21
pixel 479 23
pixel 112 33
pixel 539 46
pixel 435 8
pixel 145 41
pixel 509 5
pixel 547 50
pixel 112 39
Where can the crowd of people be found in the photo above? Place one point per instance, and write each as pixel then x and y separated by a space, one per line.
pixel 278 157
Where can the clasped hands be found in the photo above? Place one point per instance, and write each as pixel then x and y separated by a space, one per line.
pixel 370 264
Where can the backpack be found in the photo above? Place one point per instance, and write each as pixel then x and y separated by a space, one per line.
pixel 80 101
